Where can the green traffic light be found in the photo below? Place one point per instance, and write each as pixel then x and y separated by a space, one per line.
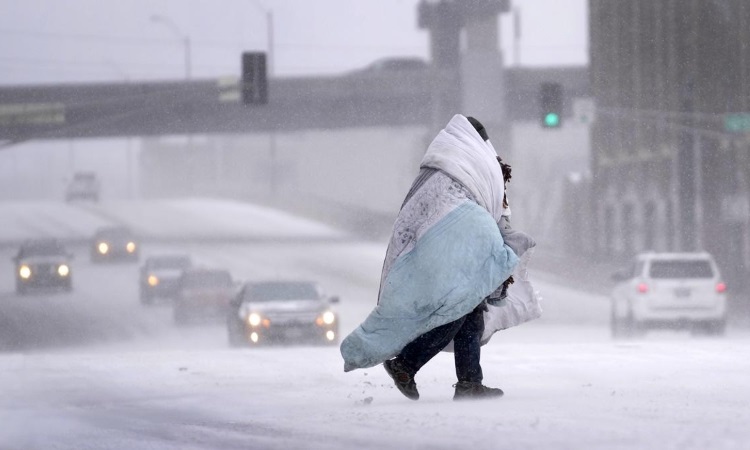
pixel 551 120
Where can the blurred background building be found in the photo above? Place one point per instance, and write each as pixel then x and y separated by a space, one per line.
pixel 648 151
pixel 669 160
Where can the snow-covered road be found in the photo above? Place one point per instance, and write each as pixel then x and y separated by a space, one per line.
pixel 95 369
pixel 661 394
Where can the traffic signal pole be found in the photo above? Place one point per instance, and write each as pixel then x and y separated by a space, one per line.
pixel 686 165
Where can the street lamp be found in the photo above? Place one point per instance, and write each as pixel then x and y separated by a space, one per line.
pixel 517 36
pixel 186 41
pixel 129 151
pixel 180 35
pixel 269 41
pixel 269 33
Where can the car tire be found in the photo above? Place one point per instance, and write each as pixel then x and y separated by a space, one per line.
pixel 625 328
pixel 234 340
pixel 234 335
pixel 146 300
pixel 718 327
pixel 179 316
pixel 711 328
pixel 617 326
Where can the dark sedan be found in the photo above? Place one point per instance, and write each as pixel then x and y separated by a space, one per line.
pixel 42 263
pixel 282 312
pixel 114 244
pixel 160 276
pixel 203 296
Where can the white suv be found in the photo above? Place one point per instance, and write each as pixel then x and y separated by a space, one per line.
pixel 669 290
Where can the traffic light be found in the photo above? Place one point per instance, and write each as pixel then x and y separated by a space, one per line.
pixel 551 105
pixel 254 83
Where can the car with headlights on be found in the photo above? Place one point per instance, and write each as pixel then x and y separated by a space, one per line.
pixel 115 243
pixel 160 276
pixel 203 295
pixel 269 312
pixel 669 290
pixel 42 263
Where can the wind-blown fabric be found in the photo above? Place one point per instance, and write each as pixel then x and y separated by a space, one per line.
pixel 522 304
pixel 446 252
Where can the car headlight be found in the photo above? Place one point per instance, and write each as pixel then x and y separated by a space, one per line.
pixel 327 318
pixel 130 247
pixel 24 271
pixel 254 319
pixel 153 280
pixel 63 270
pixel 103 248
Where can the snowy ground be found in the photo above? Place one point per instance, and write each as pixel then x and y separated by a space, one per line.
pixel 661 393
pixel 133 380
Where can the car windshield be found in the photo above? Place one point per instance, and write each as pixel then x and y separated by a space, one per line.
pixel 114 233
pixel 681 269
pixel 265 292
pixel 398 64
pixel 42 248
pixel 176 262
pixel 207 280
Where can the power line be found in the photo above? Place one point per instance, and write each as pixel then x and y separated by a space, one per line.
pixel 58 63
pixel 204 43
pixel 125 40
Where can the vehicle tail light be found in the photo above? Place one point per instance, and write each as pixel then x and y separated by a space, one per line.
pixel 721 288
pixel 642 288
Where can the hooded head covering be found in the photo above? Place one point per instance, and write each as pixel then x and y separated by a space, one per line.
pixel 461 152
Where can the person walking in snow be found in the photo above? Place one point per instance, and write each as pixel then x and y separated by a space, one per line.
pixel 446 255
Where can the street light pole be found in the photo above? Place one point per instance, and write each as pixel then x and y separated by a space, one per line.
pixel 184 38
pixel 269 34
pixel 270 50
pixel 188 62
pixel 128 152
pixel 269 30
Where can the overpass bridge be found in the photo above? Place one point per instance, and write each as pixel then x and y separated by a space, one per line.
pixel 360 99
pixel 211 106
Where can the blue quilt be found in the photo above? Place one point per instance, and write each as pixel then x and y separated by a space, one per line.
pixel 452 267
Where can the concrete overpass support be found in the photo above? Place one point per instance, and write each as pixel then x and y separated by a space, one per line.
pixel 471 83
pixel 443 20
pixel 482 74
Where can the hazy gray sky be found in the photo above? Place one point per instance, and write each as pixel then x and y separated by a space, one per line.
pixel 48 41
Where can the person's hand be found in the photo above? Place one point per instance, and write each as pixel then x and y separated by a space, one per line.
pixel 506 284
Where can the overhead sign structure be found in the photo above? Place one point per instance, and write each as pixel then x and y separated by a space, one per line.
pixel 32 114
pixel 737 123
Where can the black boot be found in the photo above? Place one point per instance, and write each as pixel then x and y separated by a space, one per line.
pixel 468 390
pixel 403 378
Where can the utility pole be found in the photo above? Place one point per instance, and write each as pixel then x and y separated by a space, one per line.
pixel 517 36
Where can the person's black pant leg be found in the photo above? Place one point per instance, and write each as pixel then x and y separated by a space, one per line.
pixel 425 347
pixel 467 346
